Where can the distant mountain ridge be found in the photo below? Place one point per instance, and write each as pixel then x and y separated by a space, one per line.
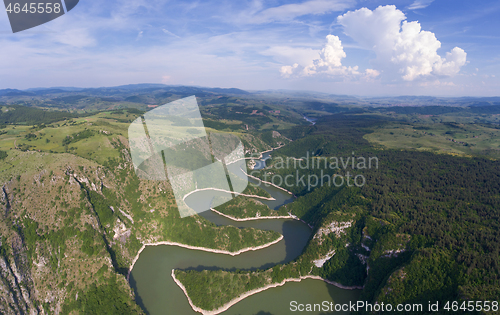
pixel 141 95
pixel 121 88
pixel 102 98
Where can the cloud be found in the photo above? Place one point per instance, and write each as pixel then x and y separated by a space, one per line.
pixel 288 12
pixel 420 4
pixel 376 29
pixel 169 33
pixel 371 74
pixel 290 54
pixel 78 38
pixel 403 49
pixel 436 83
pixel 332 53
pixel 450 65
pixel 329 63
pixel 288 71
pixel 165 79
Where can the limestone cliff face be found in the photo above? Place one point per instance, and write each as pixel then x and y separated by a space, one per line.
pixel 16 285
pixel 70 228
pixel 53 244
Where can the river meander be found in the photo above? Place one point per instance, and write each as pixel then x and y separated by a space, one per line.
pixel 157 293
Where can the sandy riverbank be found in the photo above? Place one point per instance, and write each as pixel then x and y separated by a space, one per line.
pixel 289 216
pixel 229 192
pixel 251 218
pixel 261 153
pixel 226 306
pixel 218 251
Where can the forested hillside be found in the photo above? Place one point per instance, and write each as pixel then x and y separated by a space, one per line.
pixel 424 227
pixel 74 214
pixel 450 206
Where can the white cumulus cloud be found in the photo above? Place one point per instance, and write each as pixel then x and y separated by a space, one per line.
pixel 332 53
pixel 451 64
pixel 329 63
pixel 403 49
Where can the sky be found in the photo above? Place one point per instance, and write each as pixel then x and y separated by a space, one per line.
pixel 363 47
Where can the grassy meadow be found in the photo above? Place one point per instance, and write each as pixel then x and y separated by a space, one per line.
pixel 447 138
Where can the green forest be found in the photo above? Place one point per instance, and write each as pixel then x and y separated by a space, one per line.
pixel 449 205
pixel 16 114
pixel 441 212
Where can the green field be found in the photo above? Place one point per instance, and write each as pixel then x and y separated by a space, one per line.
pixel 446 138
pixel 49 138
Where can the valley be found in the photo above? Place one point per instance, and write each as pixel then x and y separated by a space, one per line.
pixel 424 226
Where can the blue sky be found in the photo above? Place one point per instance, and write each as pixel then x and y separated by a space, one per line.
pixel 364 47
